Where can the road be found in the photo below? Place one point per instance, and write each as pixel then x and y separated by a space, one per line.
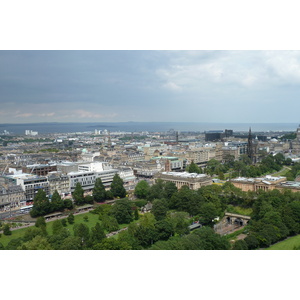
pixel 10 214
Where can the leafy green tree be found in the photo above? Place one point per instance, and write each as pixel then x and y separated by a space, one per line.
pixel 82 230
pixel 180 222
pixel 57 227
pixel 159 209
pixel 122 211
pixel 170 189
pixel 71 218
pixel 221 176
pixel 85 218
pixel 78 194
pixel 164 229
pixel 89 199
pixel 41 204
pixel 56 202
pixel 32 232
pixel 252 241
pixel 71 243
pixel 136 214
pixel 193 168
pixel 142 189
pixel 6 230
pixel 97 234
pixel 68 204
pixel 57 240
pixel 127 237
pixel 1 246
pixel 41 223
pixel 99 192
pixel 156 190
pixel 117 187
pixel 208 213
pixel 14 244
pixel 64 222
pixel 37 243
pixel 109 223
pixel 112 244
pixel 240 245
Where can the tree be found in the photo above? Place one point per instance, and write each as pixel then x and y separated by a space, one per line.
pixel 71 218
pixel 57 240
pixel 14 244
pixel 240 245
pixel 112 244
pixel 57 227
pixel 32 232
pixel 208 212
pixel 142 189
pixel 78 194
pixel 122 211
pixel 89 199
pixel 41 204
pixel 180 222
pixel 41 223
pixel 99 192
pixel 159 209
pixel 64 222
pixel 97 234
pixel 37 243
pixel 6 230
pixel 117 187
pixel 170 189
pixel 71 243
pixel 164 229
pixel 68 204
pixel 136 214
pixel 56 202
pixel 109 223
pixel 193 168
pixel 82 230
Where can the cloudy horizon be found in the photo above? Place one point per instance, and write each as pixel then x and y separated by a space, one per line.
pixel 149 86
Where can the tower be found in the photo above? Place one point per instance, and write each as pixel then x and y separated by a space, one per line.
pixel 176 137
pixel 250 148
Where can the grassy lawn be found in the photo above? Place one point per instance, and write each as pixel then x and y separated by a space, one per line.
pixel 5 239
pixel 282 172
pixel 92 220
pixel 287 244
pixel 239 210
pixel 233 236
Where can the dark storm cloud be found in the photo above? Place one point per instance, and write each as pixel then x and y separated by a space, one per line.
pixel 149 85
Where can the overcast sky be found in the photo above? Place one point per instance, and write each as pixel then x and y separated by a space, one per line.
pixel 173 86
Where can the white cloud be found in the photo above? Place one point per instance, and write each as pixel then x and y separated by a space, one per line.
pixel 245 69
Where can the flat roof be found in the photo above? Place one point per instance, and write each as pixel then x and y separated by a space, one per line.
pixel 185 174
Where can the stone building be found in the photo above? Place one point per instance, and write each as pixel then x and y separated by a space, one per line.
pixel 193 180
pixel 11 196
pixel 60 183
pixel 266 183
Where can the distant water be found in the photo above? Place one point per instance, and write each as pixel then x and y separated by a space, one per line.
pixel 144 126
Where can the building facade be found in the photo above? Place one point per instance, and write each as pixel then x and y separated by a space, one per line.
pixel 193 180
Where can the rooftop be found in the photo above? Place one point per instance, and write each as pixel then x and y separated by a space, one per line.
pixel 184 174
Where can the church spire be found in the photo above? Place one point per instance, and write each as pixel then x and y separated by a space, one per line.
pixel 250 151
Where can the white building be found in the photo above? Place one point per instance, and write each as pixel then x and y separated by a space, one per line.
pixel 31 132
pixel 94 167
pixel 87 179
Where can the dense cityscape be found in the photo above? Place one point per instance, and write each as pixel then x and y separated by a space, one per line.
pixel 217 189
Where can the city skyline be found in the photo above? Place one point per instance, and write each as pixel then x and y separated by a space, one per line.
pixel 149 86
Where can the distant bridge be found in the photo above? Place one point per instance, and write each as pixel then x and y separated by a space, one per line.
pixel 230 223
pixel 237 219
